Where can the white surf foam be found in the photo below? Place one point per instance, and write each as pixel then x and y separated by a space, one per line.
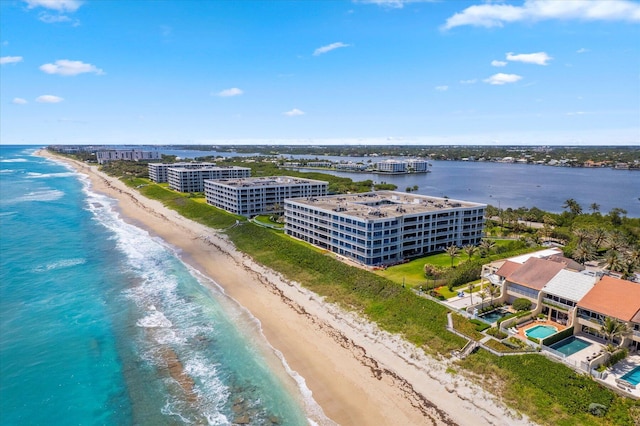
pixel 64 263
pixel 36 175
pixel 155 319
pixel 14 160
pixel 43 195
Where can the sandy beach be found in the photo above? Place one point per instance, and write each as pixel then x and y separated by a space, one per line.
pixel 357 373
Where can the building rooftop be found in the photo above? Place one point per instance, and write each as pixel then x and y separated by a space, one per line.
pixel 379 204
pixel 570 285
pixel 507 268
pixel 208 167
pixel 267 181
pixel 539 254
pixel 535 273
pixel 615 298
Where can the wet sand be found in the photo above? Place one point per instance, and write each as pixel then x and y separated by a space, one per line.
pixel 357 373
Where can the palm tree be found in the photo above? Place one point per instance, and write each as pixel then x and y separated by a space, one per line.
pixel 486 246
pixel 598 236
pixel 573 206
pixel 595 207
pixel 470 249
pixel 633 257
pixel 582 235
pixel 483 294
pixel 583 253
pixel 549 223
pixel 612 328
pixel 452 251
pixel 613 262
pixel 614 215
pixel 616 240
pixel 627 268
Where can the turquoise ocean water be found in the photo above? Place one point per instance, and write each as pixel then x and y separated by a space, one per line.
pixel 94 311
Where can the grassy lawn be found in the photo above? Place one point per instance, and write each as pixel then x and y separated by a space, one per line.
pixel 412 273
pixel 444 290
pixel 266 219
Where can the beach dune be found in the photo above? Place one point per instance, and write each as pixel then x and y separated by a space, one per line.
pixel 358 374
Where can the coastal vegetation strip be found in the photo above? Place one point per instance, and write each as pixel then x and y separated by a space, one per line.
pixel 419 320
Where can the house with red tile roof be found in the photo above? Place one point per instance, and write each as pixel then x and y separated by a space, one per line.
pixel 529 279
pixel 614 298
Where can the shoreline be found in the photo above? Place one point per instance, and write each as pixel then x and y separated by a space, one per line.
pixel 357 373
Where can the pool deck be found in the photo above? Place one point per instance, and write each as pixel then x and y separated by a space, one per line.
pixel 534 323
pixel 619 370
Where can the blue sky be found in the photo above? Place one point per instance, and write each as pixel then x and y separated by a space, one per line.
pixel 340 72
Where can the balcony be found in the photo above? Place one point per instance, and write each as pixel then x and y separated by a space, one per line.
pixel 553 303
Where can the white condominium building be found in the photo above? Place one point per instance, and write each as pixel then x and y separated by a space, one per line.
pixel 158 172
pixel 392 166
pixel 126 154
pixel 418 165
pixel 192 180
pixel 384 227
pixel 264 195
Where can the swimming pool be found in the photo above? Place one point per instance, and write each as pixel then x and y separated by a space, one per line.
pixel 540 331
pixel 570 345
pixel 633 376
pixel 494 316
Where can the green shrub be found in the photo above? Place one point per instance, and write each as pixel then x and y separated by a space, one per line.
pixel 495 332
pixel 521 304
pixel 464 273
pixel 466 327
pixel 617 356
pixel 480 325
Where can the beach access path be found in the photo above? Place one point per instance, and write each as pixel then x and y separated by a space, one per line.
pixel 358 374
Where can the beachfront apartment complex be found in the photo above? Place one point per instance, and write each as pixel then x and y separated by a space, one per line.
pixel 158 172
pixel 104 156
pixel 384 227
pixel 263 195
pixel 192 180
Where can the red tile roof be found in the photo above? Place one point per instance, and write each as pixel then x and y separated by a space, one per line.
pixel 507 268
pixel 535 273
pixel 615 298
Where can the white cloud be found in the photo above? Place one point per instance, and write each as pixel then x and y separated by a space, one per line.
pixel 539 58
pixel 19 101
pixel 582 50
pixel 442 88
pixel 293 113
pixel 496 15
pixel 10 59
pixel 69 68
pixel 471 81
pixel 576 113
pixel 47 18
pixel 329 48
pixel 59 5
pixel 501 78
pixel 495 63
pixel 226 93
pixel 49 99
